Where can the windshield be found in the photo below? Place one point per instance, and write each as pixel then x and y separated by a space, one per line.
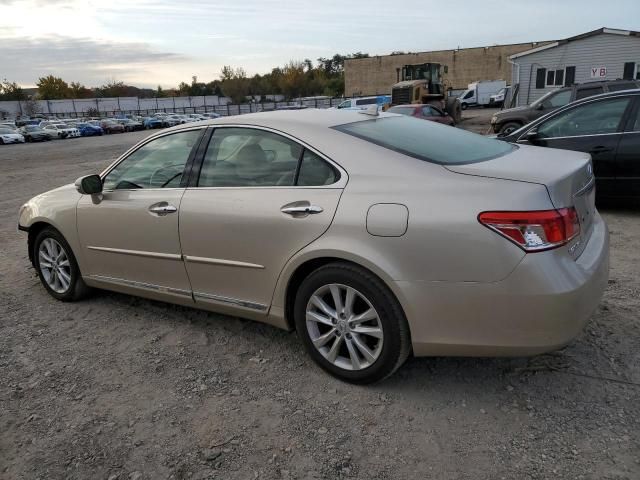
pixel 428 141
pixel 543 98
pixel 6 131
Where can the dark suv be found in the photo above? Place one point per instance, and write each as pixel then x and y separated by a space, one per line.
pixel 506 121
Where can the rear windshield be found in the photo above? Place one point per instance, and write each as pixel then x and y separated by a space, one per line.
pixel 425 140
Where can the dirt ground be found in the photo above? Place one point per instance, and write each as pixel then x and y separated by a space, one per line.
pixel 116 387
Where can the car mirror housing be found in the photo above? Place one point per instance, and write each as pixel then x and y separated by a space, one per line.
pixel 531 135
pixel 89 185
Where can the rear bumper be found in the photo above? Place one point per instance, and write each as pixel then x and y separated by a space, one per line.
pixel 541 306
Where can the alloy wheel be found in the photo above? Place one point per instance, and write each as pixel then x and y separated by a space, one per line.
pixel 344 326
pixel 54 265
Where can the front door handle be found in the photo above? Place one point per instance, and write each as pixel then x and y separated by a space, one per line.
pixel 162 208
pixel 600 149
pixel 301 209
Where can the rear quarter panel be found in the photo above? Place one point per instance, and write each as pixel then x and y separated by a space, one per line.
pixel 444 241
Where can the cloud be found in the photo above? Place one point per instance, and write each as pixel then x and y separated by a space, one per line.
pixel 85 59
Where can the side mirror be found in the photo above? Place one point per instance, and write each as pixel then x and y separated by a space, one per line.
pixel 89 185
pixel 531 135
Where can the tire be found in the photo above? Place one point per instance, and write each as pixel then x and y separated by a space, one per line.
pixel 385 355
pixel 509 127
pixel 1 142
pixel 69 286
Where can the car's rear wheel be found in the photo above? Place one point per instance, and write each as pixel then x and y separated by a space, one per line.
pixel 57 266
pixel 509 127
pixel 351 324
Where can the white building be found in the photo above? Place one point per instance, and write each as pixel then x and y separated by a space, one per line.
pixel 603 54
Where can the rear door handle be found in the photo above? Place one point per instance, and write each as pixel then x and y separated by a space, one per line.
pixel 162 208
pixel 301 209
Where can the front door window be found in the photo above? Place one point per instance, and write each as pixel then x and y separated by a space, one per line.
pixel 594 118
pixel 157 164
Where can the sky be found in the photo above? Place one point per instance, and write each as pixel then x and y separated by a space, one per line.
pixel 163 42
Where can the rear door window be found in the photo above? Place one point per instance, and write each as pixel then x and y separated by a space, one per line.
pixel 314 171
pixel 616 87
pixel 247 157
pixel 588 92
pixel 428 141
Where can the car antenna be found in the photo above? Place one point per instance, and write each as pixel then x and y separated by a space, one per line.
pixel 372 110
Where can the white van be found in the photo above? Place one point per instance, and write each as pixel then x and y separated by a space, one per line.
pixel 479 93
pixel 363 103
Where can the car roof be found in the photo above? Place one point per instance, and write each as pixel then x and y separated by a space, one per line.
pixel 598 83
pixel 619 93
pixel 310 126
pixel 290 120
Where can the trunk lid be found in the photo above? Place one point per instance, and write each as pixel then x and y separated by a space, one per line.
pixel 567 176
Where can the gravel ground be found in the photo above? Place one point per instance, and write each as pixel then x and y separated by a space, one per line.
pixel 116 387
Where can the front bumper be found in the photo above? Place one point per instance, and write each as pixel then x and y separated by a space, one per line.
pixel 541 306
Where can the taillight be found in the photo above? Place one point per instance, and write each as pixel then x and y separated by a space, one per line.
pixel 536 230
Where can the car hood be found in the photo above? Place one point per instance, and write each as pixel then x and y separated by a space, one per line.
pixel 11 135
pixel 508 111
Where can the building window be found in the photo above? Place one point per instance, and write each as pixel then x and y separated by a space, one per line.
pixel 555 78
pixel 631 71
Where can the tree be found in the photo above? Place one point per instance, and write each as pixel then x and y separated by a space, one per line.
pixel 115 88
pixel 160 93
pixel 234 83
pixel 77 90
pixel 52 88
pixel 184 89
pixel 11 91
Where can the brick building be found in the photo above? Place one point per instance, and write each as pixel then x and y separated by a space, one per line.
pixel 375 75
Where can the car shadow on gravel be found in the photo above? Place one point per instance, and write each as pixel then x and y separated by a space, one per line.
pixel 474 373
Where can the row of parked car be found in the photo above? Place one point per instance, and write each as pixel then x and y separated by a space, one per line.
pixel 39 130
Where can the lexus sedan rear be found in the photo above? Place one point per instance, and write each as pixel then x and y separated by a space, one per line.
pixel 373 236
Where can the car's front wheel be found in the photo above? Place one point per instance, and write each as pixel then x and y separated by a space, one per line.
pixel 509 127
pixel 351 323
pixel 57 267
